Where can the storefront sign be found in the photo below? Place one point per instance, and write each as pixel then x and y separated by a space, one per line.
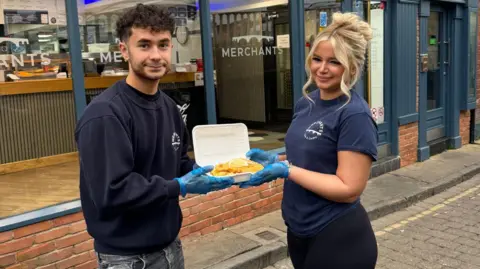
pixel 106 57
pixel 19 60
pixel 254 50
pixel 250 51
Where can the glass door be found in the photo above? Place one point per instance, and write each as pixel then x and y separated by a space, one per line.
pixel 438 72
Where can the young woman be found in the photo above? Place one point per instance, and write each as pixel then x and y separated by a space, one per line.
pixel 330 147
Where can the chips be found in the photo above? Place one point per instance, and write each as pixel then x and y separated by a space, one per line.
pixel 236 166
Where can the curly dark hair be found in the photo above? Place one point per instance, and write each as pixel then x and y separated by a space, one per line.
pixel 143 16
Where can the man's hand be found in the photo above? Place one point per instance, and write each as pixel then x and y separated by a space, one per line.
pixel 199 183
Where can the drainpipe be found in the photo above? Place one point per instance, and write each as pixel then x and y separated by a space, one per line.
pixel 472 126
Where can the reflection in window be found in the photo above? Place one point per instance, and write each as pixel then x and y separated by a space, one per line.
pixel 35 45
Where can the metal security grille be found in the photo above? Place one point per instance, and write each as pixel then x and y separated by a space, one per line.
pixel 36 125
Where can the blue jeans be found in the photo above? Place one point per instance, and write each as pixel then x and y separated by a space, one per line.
pixel 170 257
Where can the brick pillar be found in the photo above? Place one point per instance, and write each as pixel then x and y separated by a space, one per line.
pixel 465 126
pixel 408 143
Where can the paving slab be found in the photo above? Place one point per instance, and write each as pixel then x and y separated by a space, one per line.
pixel 210 249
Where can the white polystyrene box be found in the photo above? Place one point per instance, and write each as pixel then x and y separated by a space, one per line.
pixel 219 143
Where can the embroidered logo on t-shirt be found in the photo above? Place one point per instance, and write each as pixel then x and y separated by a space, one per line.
pixel 314 131
pixel 175 141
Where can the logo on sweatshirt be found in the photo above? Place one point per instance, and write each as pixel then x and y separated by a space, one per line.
pixel 175 141
pixel 314 131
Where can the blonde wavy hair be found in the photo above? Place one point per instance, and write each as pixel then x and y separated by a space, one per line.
pixel 349 36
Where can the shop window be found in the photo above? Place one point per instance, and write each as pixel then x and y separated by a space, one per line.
pixel 375 63
pixel 37 110
pixel 371 85
pixel 38 158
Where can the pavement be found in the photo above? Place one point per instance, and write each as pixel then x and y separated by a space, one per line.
pixel 261 242
pixel 440 232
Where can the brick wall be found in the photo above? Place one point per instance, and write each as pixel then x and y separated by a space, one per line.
pixel 408 143
pixel 64 242
pixel 408 134
pixel 465 126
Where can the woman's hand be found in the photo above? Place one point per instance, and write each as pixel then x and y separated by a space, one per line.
pixel 270 172
pixel 262 157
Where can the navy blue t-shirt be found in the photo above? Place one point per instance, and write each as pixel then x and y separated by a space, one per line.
pixel 317 133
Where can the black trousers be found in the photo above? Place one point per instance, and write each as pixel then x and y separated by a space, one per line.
pixel 346 243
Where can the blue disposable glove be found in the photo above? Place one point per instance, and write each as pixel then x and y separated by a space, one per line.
pixel 199 183
pixel 269 173
pixel 262 157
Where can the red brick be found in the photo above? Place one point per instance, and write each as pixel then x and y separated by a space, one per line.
pixel 267 193
pixel 6 260
pixel 195 234
pixel 202 207
pixel 32 229
pixel 200 225
pixel 231 190
pixel 247 200
pixel 17 266
pixel 186 212
pixel 74 260
pixel 224 200
pixel 93 255
pixel 210 213
pixel 35 251
pixel 68 219
pixel 260 203
pixel 248 216
pixel 184 231
pixel 72 240
pixel 222 217
pixel 55 256
pixel 191 219
pixel 15 245
pixel 50 266
pixel 212 228
pixel 242 210
pixel 229 206
pixel 88 265
pixel 191 202
pixel 77 227
pixel 276 197
pixel 232 221
pixel 245 193
pixel 6 236
pixel 213 195
pixel 52 234
pixel 83 247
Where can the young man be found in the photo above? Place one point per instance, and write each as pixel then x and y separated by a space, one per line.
pixel 133 144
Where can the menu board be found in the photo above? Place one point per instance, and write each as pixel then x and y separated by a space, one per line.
pixel 376 64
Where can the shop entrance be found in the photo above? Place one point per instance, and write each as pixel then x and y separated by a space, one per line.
pixel 439 71
pixel 278 86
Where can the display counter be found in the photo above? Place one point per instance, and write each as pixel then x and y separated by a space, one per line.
pixel 37 117
pixel 65 84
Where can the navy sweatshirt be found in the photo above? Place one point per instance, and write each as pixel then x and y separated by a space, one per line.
pixel 131 147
